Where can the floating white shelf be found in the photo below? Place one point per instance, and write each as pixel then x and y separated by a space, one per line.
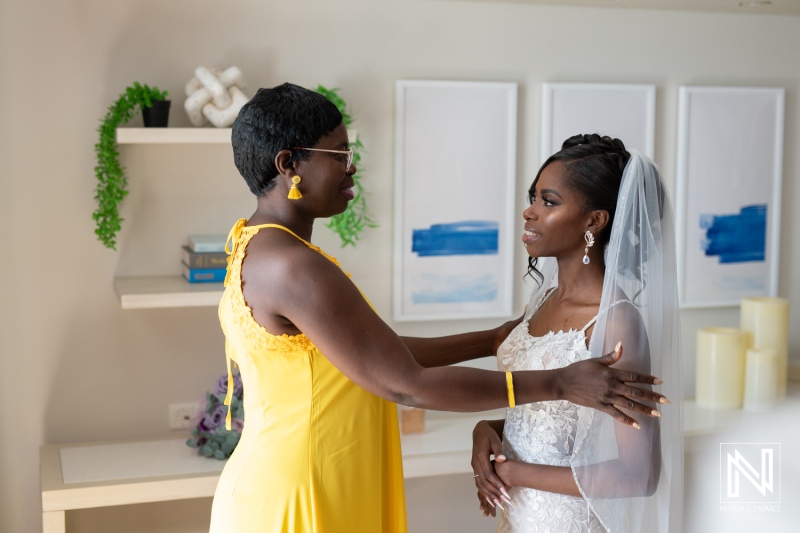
pixel 173 135
pixel 152 292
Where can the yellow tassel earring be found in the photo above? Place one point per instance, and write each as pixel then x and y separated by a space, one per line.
pixel 294 192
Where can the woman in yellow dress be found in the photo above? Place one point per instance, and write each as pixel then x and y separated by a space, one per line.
pixel 320 450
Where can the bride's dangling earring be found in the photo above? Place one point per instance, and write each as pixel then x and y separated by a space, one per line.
pixel 589 243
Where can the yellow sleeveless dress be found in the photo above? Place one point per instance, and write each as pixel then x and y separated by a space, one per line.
pixel 318 453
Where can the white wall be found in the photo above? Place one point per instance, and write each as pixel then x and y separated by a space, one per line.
pixel 74 367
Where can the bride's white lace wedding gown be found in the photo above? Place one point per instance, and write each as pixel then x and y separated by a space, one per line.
pixel 543 433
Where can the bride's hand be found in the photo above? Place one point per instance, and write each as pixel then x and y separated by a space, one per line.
pixel 593 383
pixel 484 507
pixel 491 490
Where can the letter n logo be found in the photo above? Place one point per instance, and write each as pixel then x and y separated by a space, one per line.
pixel 749 472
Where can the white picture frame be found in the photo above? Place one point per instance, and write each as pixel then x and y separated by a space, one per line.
pixel 729 169
pixel 455 174
pixel 625 111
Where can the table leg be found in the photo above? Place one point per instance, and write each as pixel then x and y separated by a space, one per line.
pixel 54 522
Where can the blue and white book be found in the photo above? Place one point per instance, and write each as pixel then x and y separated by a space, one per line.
pixel 207 243
pixel 201 275
pixel 203 259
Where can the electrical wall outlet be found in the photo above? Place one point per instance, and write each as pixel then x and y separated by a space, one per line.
pixel 183 415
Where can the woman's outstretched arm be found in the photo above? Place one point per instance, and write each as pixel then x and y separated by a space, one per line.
pixel 452 349
pixel 315 297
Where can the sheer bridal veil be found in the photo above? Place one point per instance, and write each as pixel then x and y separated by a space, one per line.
pixel 632 478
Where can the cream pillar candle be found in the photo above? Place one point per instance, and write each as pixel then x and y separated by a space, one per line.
pixel 761 375
pixel 720 367
pixel 766 321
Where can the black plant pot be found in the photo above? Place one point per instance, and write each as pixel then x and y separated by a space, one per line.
pixel 156 116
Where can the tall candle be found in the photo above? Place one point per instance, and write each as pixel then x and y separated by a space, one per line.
pixel 766 321
pixel 761 374
pixel 720 367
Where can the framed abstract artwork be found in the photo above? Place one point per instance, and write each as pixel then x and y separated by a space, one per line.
pixel 621 110
pixel 729 167
pixel 455 173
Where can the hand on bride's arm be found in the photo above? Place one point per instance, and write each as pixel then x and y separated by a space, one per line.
pixel 486 442
pixel 597 384
pixel 505 471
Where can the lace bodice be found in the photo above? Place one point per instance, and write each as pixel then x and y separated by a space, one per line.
pixel 543 433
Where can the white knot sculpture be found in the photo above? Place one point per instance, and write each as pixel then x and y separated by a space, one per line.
pixel 215 96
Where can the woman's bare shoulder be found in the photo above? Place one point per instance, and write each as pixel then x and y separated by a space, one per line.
pixel 278 269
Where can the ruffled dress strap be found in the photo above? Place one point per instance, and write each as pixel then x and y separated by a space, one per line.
pixel 313 247
pixel 234 238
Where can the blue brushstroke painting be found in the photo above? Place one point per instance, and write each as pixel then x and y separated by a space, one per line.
pixel 736 238
pixel 457 238
pixel 450 289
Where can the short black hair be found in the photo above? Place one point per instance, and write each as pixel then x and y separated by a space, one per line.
pixel 594 165
pixel 276 119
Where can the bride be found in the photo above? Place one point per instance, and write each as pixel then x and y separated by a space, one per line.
pixel 601 216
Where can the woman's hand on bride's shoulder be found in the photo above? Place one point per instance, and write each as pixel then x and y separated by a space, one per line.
pixel 594 383
pixel 491 489
pixel 504 330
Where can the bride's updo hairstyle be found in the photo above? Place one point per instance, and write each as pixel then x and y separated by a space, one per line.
pixel 594 166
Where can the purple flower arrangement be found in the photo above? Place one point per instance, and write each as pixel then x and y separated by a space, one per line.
pixel 210 436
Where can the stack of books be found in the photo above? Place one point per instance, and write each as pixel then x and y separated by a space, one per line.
pixel 204 258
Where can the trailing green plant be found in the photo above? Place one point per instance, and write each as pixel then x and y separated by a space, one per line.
pixel 351 223
pixel 112 184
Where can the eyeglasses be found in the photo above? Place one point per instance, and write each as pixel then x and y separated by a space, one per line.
pixel 349 154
